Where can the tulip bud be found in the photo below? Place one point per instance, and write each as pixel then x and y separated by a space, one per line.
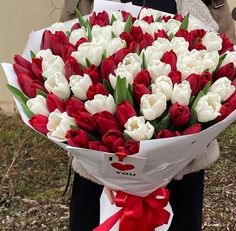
pixel 101 103
pixel 181 93
pixel 38 105
pixel 208 107
pixel 152 106
pixel 80 85
pixel 138 130
pixel 223 88
pixel 58 125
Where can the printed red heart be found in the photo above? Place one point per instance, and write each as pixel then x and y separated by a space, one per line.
pixel 122 167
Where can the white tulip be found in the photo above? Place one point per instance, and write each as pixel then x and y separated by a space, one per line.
pixel 149 12
pixel 38 105
pixel 151 53
pixel 210 60
pixel 101 35
pixel 162 45
pixel 80 85
pixel 90 51
pixel 208 107
pixel 155 26
pixel 163 84
pixel 138 130
pixel 172 26
pixel 58 26
pixel 230 58
pixel 194 23
pixel 156 68
pixel 123 73
pixel 58 125
pixel 152 106
pixel 132 63
pixel 51 63
pixel 118 27
pixel 43 54
pixel 223 88
pixel 117 15
pixel 181 93
pixel 143 25
pixel 101 103
pixel 77 34
pixel 114 45
pixel 179 45
pixel 58 85
pixel 190 63
pixel 212 41
pixel 132 58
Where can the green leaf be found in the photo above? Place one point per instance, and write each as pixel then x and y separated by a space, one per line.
pixel 88 64
pixel 194 119
pixel 92 137
pixel 171 36
pixel 137 51
pixel 185 22
pixel 32 54
pixel 108 86
pixel 144 63
pixel 80 18
pixel 128 24
pixel 89 30
pixel 104 54
pixel 113 19
pixel 163 124
pixel 206 88
pixel 42 93
pixel 191 101
pixel 121 91
pixel 221 59
pixel 74 127
pixel 130 88
pixel 159 19
pixel 68 33
pixel 22 100
pixel 127 137
pixel 113 35
pixel 200 95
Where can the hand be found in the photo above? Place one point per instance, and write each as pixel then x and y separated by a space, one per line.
pixel 110 195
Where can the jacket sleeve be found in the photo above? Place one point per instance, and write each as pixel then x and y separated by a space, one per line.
pixel 225 21
pixel 203 160
pixel 68 10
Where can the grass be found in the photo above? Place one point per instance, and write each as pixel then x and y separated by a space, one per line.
pixel 33 172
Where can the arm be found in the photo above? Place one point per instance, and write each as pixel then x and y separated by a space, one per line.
pixel 202 161
pixel 68 10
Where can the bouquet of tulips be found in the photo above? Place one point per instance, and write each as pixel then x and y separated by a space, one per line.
pixel 134 97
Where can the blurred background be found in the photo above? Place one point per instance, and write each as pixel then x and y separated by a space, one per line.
pixel 17 20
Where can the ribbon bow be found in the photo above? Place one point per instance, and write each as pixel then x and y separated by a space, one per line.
pixel 139 213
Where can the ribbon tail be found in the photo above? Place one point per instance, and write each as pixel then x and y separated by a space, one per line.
pixel 110 222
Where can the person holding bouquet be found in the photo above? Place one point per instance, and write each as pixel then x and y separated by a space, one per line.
pixel 187 188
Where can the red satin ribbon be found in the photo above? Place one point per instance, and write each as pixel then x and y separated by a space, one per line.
pixel 139 213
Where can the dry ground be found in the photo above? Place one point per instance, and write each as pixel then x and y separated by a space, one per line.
pixel 33 173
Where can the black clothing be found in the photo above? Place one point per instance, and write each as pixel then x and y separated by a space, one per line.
pixel 186 199
pixel 166 5
pixel 84 205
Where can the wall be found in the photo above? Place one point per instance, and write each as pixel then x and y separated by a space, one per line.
pixel 17 19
